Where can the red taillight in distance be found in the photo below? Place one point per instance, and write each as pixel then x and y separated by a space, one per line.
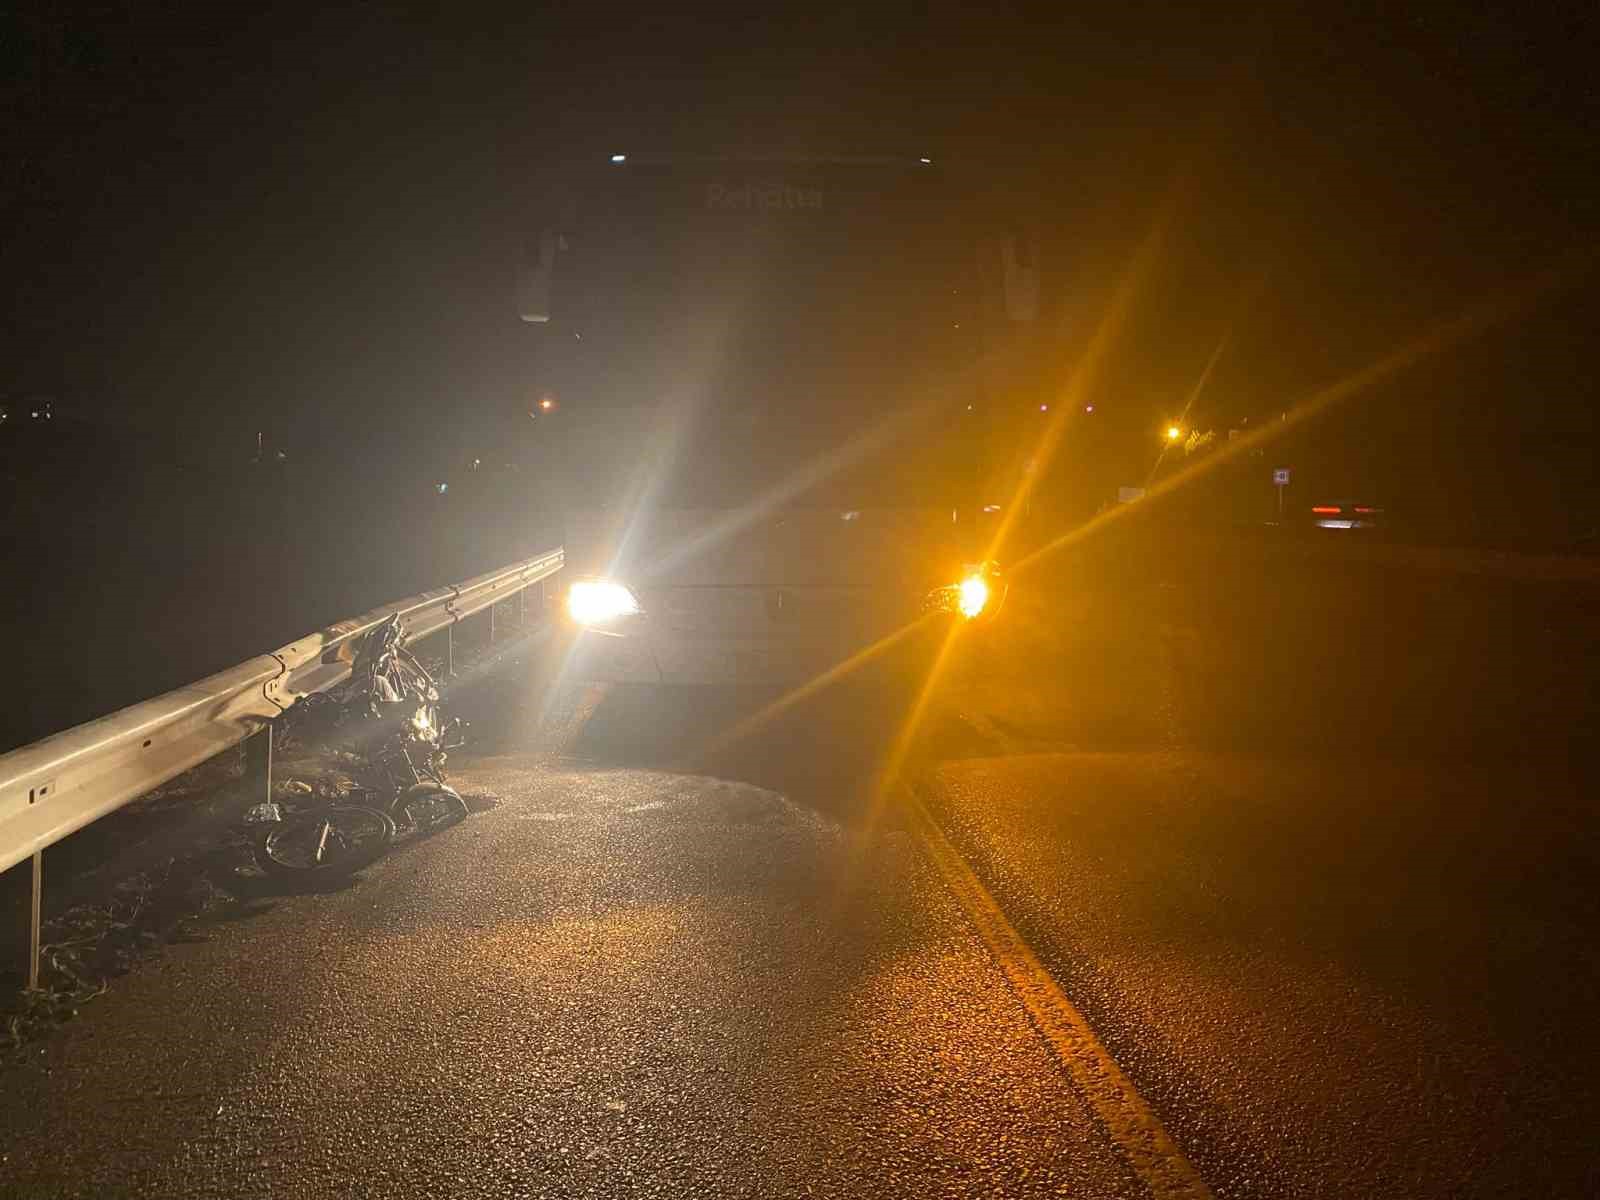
pixel 1327 510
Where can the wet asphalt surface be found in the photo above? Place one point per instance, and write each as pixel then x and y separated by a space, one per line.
pixel 1314 854
pixel 610 981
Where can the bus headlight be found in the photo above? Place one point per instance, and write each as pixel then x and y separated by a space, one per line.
pixel 597 601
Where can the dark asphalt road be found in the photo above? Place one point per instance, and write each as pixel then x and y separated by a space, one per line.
pixel 615 982
pixel 1317 1008
pixel 1313 853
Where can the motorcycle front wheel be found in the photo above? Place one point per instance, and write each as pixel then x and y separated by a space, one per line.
pixel 340 839
pixel 429 807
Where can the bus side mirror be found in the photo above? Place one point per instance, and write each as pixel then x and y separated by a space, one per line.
pixel 1019 263
pixel 535 277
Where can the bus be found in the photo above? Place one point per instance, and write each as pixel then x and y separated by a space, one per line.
pixel 775 400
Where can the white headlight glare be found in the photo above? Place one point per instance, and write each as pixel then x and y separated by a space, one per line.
pixel 596 601
pixel 972 596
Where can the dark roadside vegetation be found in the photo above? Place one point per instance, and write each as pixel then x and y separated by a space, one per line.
pixel 134 572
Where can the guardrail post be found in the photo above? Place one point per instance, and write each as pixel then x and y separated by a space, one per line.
pixel 34 910
pixel 258 764
pixel 491 622
pixel 450 649
pixel 522 608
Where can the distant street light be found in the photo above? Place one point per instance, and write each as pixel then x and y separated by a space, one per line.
pixel 1173 433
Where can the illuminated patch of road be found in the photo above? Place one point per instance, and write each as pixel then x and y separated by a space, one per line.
pixel 1133 1127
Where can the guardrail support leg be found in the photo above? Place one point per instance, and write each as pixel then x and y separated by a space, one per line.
pixel 450 649
pixel 491 624
pixel 258 764
pixel 522 609
pixel 34 909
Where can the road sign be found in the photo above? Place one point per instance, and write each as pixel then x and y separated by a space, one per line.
pixel 1280 480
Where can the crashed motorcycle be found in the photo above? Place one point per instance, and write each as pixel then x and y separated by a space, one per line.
pixel 387 714
pixel 404 774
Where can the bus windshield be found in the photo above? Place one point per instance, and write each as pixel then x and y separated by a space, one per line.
pixel 739 329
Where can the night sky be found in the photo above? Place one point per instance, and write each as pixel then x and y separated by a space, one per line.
pixel 305 224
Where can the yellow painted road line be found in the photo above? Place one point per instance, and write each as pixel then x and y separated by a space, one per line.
pixel 1135 1131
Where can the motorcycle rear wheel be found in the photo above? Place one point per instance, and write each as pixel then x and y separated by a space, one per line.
pixel 336 840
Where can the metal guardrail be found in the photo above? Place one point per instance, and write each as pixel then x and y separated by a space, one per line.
pixel 56 786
